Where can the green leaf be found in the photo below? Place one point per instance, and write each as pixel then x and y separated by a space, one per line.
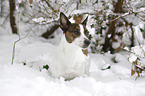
pixel 46 67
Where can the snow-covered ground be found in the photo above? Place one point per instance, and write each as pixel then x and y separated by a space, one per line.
pixel 32 80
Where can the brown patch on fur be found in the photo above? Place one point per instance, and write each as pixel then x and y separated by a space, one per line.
pixel 78 19
pixel 72 33
pixel 85 51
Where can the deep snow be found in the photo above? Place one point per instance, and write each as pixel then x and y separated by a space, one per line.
pixel 32 80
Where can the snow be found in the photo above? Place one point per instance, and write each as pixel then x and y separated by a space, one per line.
pixel 29 80
pixel 138 53
pixel 116 44
pixel 138 34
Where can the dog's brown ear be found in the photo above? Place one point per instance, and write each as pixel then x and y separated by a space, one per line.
pixel 85 21
pixel 64 22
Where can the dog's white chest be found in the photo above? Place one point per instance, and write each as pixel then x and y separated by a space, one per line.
pixel 69 61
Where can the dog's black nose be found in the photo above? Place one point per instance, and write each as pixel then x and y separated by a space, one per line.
pixel 87 42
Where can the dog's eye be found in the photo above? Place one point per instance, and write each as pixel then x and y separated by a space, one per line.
pixel 76 32
pixel 87 33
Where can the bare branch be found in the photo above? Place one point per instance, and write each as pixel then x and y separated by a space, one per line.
pixel 120 16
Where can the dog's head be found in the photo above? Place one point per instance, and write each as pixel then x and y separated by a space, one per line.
pixel 75 33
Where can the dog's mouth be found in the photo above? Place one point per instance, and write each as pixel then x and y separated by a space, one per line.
pixel 86 43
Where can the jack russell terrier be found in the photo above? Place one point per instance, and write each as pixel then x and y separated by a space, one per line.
pixel 71 59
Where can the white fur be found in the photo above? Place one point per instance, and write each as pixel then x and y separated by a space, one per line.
pixel 69 61
pixel 79 41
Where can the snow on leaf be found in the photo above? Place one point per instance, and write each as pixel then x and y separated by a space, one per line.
pixel 126 48
pixel 132 58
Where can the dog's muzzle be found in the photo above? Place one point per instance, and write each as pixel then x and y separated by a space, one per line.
pixel 86 43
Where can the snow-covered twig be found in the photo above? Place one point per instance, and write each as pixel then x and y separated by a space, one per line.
pixel 131 11
pixel 13 53
pixel 6 18
pixel 135 12
pixel 48 4
pixel 121 16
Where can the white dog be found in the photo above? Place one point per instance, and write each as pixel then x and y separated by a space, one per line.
pixel 71 59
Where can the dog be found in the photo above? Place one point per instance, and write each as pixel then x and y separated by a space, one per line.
pixel 71 58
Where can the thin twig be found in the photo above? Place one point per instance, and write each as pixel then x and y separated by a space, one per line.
pixel 120 16
pixel 13 54
pixel 54 11
pixel 6 18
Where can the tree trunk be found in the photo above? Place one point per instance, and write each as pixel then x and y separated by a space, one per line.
pixel 12 17
pixel 50 32
pixel 111 31
pixel 132 36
